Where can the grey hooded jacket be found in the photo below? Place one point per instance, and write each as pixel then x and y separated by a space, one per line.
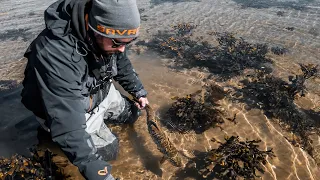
pixel 59 78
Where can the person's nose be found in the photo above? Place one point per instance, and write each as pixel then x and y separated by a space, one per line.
pixel 121 48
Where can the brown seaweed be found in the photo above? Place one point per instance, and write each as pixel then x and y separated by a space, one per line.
pixel 278 50
pixel 298 82
pixel 186 115
pixel 230 58
pixel 184 29
pixel 198 111
pixel 21 167
pixel 276 98
pixel 235 158
pixel 280 13
pixel 290 28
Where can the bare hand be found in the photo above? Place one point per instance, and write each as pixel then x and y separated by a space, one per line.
pixel 143 101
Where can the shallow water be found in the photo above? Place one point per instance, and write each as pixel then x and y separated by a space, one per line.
pixel 139 157
pixel 257 21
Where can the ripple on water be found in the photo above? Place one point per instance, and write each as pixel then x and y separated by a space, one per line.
pixel 290 162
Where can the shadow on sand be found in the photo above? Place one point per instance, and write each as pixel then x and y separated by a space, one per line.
pixel 147 157
pixel 196 168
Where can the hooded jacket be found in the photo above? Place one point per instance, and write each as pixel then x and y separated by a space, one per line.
pixel 59 78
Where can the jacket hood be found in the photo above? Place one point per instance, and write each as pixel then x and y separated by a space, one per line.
pixel 67 16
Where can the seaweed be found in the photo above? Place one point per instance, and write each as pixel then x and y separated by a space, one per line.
pixel 186 115
pixel 278 50
pixel 290 28
pixel 196 112
pixel 229 58
pixel 20 167
pixel 232 159
pixel 298 82
pixel 276 98
pixel 184 29
pixel 280 13
pixel 241 54
pixel 236 158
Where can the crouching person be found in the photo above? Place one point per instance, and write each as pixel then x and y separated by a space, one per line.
pixel 68 79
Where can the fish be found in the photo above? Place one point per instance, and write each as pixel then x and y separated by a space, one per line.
pixel 164 145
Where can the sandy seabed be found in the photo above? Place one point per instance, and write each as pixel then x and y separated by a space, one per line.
pixel 293 25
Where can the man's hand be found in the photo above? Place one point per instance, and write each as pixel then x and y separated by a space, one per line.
pixel 143 101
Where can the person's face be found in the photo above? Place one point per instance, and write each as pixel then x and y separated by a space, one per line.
pixel 111 46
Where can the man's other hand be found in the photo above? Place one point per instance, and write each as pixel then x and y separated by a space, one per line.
pixel 143 101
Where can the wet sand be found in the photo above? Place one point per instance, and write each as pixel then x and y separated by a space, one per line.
pixel 255 21
pixel 138 149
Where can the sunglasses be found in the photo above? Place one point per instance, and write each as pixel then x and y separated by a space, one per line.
pixel 117 44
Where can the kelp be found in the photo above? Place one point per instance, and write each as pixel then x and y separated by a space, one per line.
pixel 276 98
pixel 229 58
pixel 184 29
pixel 278 50
pixel 235 158
pixel 280 13
pixel 20 167
pixel 198 111
pixel 186 115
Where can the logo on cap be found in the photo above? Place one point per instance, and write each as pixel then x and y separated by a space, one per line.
pixel 106 30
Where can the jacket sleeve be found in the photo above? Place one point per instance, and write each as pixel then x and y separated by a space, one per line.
pixel 59 80
pixel 127 76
